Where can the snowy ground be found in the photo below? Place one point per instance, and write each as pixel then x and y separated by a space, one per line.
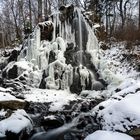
pixel 57 98
pixel 114 67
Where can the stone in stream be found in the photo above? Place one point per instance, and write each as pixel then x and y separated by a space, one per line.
pixel 17 126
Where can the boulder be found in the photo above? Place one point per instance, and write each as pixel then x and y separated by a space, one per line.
pixel 12 73
pixel 134 131
pixel 13 104
pixel 13 55
pixel 17 126
pixel 52 121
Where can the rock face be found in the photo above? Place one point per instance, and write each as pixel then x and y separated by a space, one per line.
pixel 66 12
pixel 46 30
pixel 13 55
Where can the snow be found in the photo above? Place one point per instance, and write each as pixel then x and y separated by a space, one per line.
pixel 23 64
pixel 18 121
pixel 4 89
pixel 96 26
pixel 121 106
pixel 61 43
pixel 57 98
pixel 120 114
pixel 8 97
pixel 2 112
pixel 45 23
pixel 50 117
pixel 108 135
pixel 92 94
pixel 113 67
pixel 2 136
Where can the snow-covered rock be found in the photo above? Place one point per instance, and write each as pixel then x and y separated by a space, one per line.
pixel 24 71
pixel 119 115
pixel 9 101
pixel 19 121
pixel 108 135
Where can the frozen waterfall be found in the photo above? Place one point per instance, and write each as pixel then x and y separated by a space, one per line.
pixel 66 49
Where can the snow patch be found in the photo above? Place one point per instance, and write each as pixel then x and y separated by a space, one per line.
pixel 57 98
pixel 119 115
pixel 18 121
pixel 108 135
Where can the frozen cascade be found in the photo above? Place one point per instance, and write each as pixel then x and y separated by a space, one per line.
pixel 80 34
pixel 59 48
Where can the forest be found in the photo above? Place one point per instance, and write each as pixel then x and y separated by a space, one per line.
pixel 118 19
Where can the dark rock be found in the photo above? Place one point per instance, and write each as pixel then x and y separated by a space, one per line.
pixel 66 13
pixel 52 121
pixel 104 46
pixel 13 136
pixel 137 90
pixel 12 73
pixel 136 137
pixel 52 56
pixel 1 81
pixel 4 138
pixel 43 82
pixel 76 86
pixel 70 46
pixel 117 90
pixel 101 107
pixel 84 107
pixel 22 78
pixel 13 56
pixel 62 8
pixel 46 31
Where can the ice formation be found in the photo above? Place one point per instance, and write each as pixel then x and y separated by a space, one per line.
pixel 47 47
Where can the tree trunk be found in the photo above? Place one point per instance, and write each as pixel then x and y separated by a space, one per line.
pixel 139 15
pixel 39 10
pixel 30 14
pixel 121 13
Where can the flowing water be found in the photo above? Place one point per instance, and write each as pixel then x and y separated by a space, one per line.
pixel 80 34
